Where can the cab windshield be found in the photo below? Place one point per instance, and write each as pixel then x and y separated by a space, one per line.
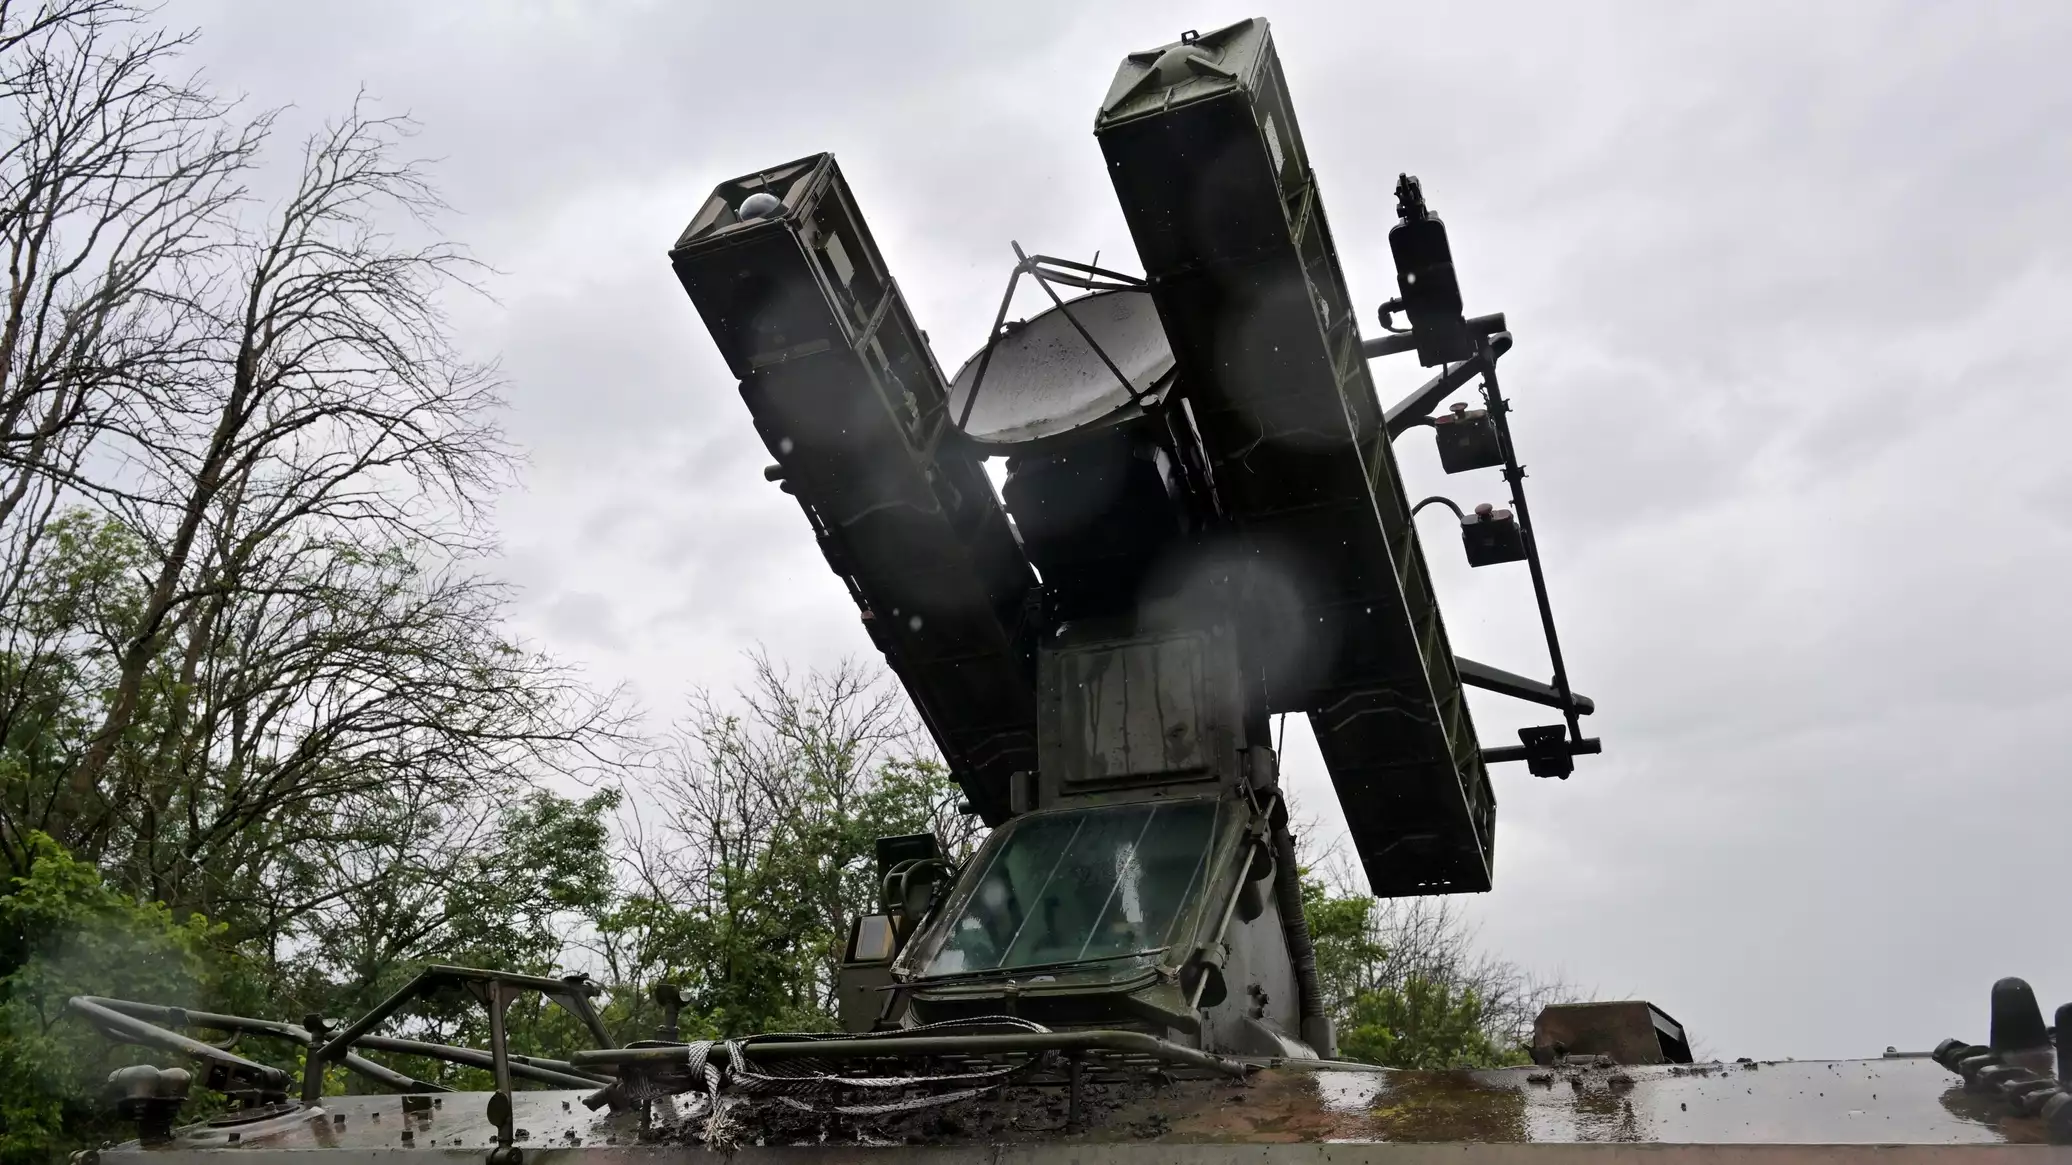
pixel 1097 883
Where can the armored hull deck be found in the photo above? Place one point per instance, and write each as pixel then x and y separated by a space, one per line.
pixel 1892 1109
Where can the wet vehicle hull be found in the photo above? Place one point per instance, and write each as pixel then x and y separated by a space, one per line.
pixel 1897 1109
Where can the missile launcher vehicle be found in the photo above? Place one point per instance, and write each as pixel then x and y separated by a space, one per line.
pixel 1201 527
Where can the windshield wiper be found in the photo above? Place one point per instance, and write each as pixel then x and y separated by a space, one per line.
pixel 1012 972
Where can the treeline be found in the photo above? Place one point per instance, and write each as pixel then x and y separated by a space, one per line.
pixel 250 672
pixel 267 745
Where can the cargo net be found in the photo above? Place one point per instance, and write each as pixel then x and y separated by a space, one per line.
pixel 717 1073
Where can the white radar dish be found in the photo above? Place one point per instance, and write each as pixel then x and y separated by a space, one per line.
pixel 1044 380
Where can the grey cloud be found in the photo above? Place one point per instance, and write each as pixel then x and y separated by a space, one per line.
pixel 602 527
pixel 583 620
pixel 530 569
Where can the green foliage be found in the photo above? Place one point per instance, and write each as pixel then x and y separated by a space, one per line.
pixel 1407 989
pixel 744 897
pixel 64 932
pixel 76 590
pixel 1422 1023
pixel 1341 931
pixel 250 670
pixel 548 860
pixel 508 896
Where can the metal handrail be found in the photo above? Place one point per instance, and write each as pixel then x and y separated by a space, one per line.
pixel 889 1044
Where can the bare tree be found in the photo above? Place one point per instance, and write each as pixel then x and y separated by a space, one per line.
pixel 331 406
pixel 24 22
pixel 115 180
pixel 339 685
pixel 757 850
pixel 273 621
pixel 247 665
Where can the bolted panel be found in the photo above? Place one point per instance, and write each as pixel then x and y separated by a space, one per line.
pixel 1210 169
pixel 850 403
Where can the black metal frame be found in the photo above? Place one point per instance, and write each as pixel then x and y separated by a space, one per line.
pixel 1540 745
pixel 890 1044
pixel 1047 270
pixel 1492 340
pixel 254 1083
pixel 155 1025
pixel 259 1084
pixel 496 990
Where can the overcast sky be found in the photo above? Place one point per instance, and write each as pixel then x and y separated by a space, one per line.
pixel 1790 285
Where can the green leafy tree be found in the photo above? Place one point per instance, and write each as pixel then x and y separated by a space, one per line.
pixel 1408 988
pixel 65 932
pixel 510 888
pixel 760 848
pixel 1423 1023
